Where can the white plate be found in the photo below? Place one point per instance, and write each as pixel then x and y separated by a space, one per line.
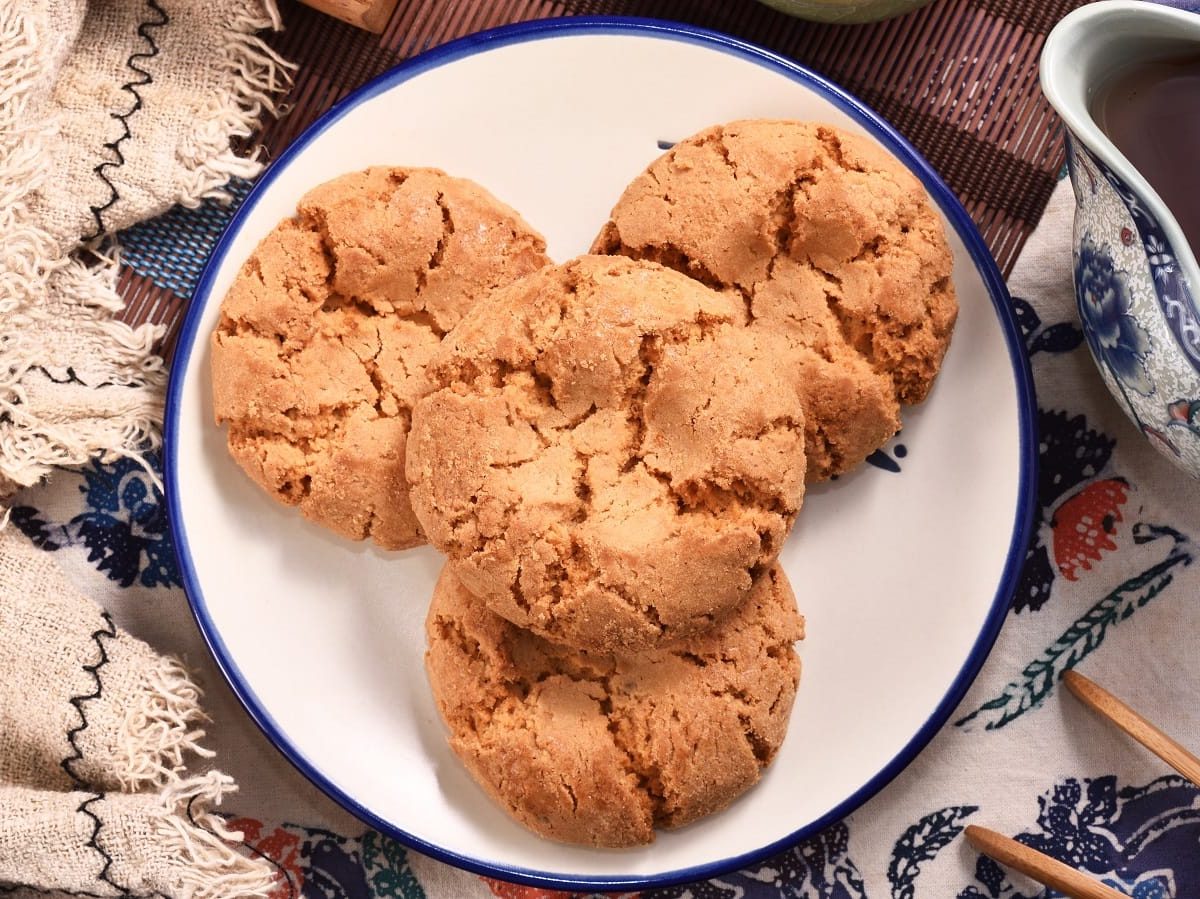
pixel 904 577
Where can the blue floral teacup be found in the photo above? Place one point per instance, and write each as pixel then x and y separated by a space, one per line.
pixel 1137 283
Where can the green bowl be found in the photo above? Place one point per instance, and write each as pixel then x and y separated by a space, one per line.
pixel 844 12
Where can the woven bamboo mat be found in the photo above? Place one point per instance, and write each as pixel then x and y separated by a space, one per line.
pixel 958 78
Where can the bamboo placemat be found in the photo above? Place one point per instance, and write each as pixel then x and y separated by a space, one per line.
pixel 958 78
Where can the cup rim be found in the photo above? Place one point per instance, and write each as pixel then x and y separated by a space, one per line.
pixel 1057 53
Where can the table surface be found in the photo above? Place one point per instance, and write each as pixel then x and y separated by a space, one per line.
pixel 957 77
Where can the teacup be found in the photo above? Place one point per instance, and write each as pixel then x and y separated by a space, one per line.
pixel 1137 283
pixel 845 12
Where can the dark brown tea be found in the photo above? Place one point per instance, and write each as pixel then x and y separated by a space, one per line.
pixel 1151 112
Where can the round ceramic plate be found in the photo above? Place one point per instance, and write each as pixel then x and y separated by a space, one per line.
pixel 904 569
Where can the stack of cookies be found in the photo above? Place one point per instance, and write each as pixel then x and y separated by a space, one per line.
pixel 611 452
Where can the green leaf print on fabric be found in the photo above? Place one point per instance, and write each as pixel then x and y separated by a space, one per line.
pixel 385 863
pixel 1085 634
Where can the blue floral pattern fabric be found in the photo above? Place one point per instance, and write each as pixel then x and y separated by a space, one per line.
pixel 1138 839
pixel 123 524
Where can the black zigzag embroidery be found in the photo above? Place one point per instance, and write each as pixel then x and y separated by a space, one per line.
pixel 131 87
pixel 109 631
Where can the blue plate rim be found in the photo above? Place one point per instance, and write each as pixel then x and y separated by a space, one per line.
pixel 880 129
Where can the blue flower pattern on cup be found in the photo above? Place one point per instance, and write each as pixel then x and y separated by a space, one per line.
pixel 1171 289
pixel 1136 306
pixel 1162 263
pixel 1115 337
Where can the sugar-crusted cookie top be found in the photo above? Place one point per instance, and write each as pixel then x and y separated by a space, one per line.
pixel 829 242
pixel 608 457
pixel 320 351
pixel 600 749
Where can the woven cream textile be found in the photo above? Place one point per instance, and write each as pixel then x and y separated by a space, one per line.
pixel 110 112
pixel 88 715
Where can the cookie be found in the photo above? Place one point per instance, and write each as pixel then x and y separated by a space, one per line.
pixel 321 347
pixel 608 456
pixel 829 242
pixel 600 748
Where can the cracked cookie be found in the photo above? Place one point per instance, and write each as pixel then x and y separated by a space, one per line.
pixel 321 347
pixel 830 243
pixel 607 455
pixel 600 749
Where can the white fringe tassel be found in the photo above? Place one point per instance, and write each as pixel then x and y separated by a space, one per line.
pixel 75 384
pixel 161 729
pixel 49 301
pixel 257 76
pixel 209 864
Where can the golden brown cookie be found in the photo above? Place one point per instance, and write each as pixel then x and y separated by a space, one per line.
pixel 320 351
pixel 601 749
pixel 830 242
pixel 608 456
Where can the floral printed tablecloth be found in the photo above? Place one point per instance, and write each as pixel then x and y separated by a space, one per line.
pixel 1108 587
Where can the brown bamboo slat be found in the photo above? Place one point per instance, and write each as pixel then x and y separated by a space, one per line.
pixel 958 78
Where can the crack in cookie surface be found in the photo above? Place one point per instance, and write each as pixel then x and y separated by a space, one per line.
pixel 320 350
pixel 831 243
pixel 603 450
pixel 603 748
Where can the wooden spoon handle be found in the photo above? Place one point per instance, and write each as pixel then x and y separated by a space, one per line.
pixel 1104 703
pixel 372 15
pixel 1042 868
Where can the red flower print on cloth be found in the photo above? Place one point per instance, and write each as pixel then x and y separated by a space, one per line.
pixel 1084 525
pixel 280 848
pixel 1072 456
